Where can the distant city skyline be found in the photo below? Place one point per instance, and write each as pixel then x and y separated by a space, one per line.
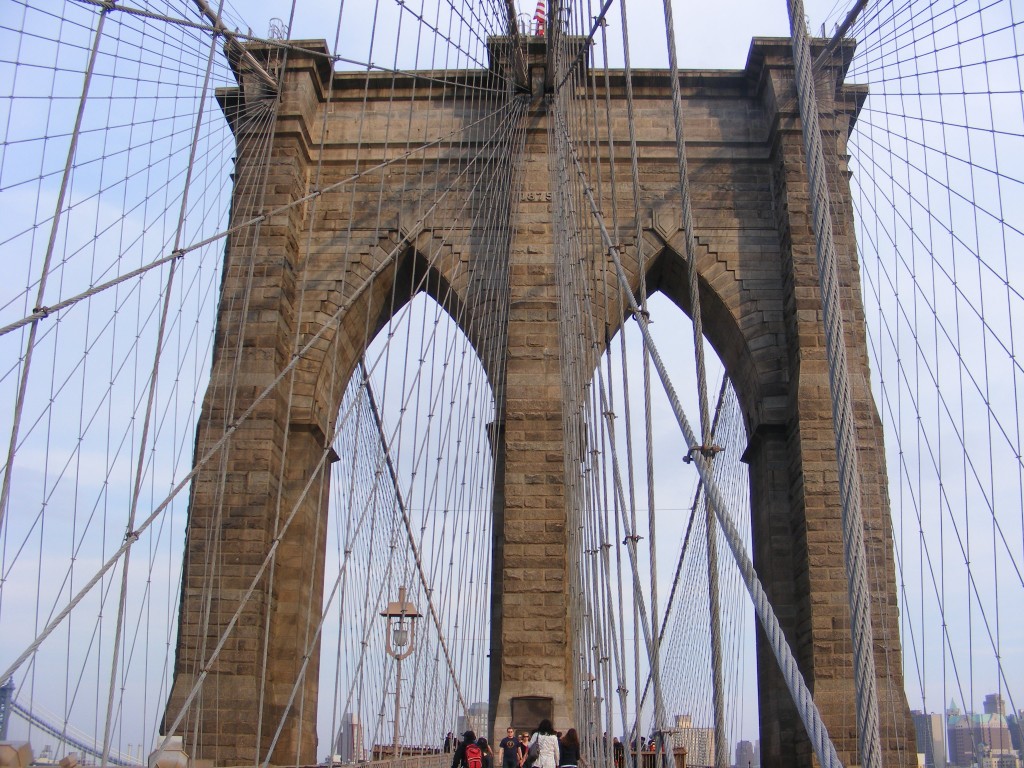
pixel 965 739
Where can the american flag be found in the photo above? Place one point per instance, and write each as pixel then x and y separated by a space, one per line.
pixel 538 17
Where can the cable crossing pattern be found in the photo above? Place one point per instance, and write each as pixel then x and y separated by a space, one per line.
pixel 422 298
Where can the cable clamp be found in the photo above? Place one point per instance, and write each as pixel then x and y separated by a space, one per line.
pixel 634 538
pixel 646 315
pixel 707 451
pixel 178 253
pixel 131 536
pixel 41 311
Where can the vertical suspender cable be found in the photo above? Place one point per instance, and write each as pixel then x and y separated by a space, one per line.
pixel 842 407
pixel 721 739
pixel 640 609
pixel 634 167
pixel 407 522
pixel 19 406
pixel 139 470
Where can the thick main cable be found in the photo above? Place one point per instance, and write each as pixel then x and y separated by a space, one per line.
pixel 855 556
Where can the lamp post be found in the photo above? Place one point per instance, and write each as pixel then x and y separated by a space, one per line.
pixel 401 616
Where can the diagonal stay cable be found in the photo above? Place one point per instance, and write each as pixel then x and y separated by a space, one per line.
pixel 721 757
pixel 235 46
pixel 599 21
pixel 407 524
pixel 26 366
pixel 44 311
pixel 132 536
pixel 673 591
pixel 640 604
pixel 150 402
pixel 339 583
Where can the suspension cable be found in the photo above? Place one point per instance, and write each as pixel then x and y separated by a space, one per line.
pixel 855 557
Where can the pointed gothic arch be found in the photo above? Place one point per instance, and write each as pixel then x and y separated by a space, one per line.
pixel 759 276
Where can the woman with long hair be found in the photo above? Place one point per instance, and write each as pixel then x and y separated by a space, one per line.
pixel 569 750
pixel 486 756
pixel 547 745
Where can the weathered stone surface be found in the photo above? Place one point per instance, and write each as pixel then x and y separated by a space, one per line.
pixel 288 278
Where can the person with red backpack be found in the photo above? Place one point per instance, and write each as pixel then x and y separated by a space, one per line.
pixel 468 754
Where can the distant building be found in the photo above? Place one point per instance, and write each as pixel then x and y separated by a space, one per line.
pixel 349 745
pixel 981 740
pixel 1016 726
pixel 994 705
pixel 959 736
pixel 931 738
pixel 699 742
pixel 476 722
pixel 1005 760
pixel 744 755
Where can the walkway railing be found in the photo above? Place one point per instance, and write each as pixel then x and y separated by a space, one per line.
pixel 428 760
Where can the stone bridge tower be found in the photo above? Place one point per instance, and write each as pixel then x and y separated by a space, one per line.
pixel 759 293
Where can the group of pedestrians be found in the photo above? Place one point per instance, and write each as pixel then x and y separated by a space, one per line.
pixel 544 748
pixel 470 752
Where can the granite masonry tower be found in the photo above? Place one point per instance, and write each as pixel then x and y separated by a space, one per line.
pixel 762 313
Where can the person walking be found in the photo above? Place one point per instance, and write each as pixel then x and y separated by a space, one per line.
pixel 547 745
pixel 486 755
pixel 569 750
pixel 618 753
pixel 508 745
pixel 522 749
pixel 448 739
pixel 467 753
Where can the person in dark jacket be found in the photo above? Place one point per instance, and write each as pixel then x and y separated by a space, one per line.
pixel 486 755
pixel 459 758
pixel 569 750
